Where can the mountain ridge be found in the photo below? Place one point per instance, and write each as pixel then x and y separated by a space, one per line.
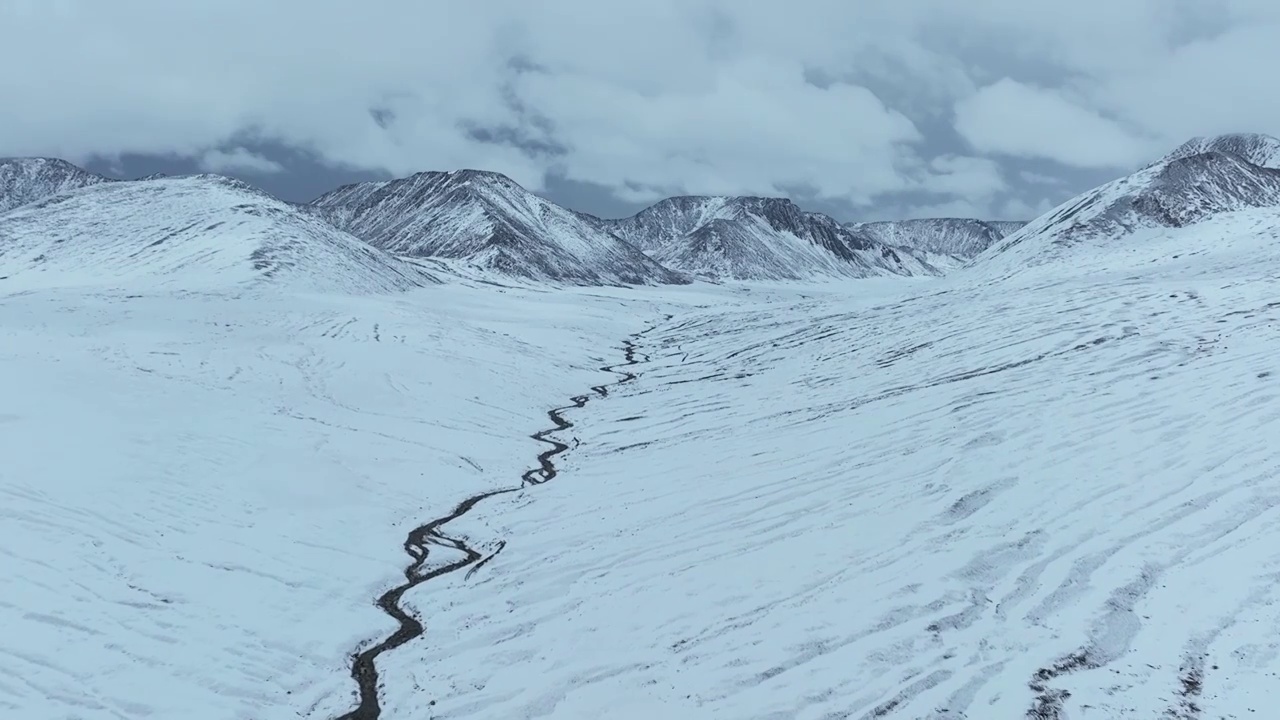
pixel 486 221
pixel 489 220
pixel 961 238
pixel 759 238
pixel 1254 148
pixel 1199 180
pixel 25 180
pixel 194 231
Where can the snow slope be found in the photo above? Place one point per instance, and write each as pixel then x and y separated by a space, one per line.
pixel 960 238
pixel 490 221
pixel 1051 499
pixel 751 238
pixel 25 180
pixel 194 232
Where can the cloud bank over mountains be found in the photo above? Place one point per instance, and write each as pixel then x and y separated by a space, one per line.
pixel 992 108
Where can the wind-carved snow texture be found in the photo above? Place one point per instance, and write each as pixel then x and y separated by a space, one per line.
pixel 189 232
pixel 750 238
pixel 488 220
pixel 25 180
pixel 243 470
pixel 432 534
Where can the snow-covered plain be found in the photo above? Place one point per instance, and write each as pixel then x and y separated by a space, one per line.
pixel 202 494
pixel 1045 494
pixel 1054 496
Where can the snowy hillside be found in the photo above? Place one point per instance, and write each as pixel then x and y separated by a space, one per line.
pixel 958 237
pixel 490 221
pixel 751 238
pixel 25 180
pixel 1184 188
pixel 191 232
pixel 202 493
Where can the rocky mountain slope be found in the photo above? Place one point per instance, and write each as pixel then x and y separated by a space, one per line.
pixel 28 179
pixel 489 221
pixel 1204 178
pixel 203 231
pixel 957 237
pixel 1258 149
pixel 753 238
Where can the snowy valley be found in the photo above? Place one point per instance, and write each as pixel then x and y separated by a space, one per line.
pixel 945 469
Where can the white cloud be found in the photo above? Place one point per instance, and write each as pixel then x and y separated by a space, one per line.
pixel 957 208
pixel 1204 87
pixel 645 98
pixel 1035 178
pixel 968 177
pixel 756 128
pixel 1012 118
pixel 238 159
pixel 1019 209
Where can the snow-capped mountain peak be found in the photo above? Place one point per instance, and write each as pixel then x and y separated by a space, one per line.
pixel 28 179
pixel 489 220
pixel 1256 148
pixel 766 238
pixel 958 237
pixel 1201 179
pixel 204 231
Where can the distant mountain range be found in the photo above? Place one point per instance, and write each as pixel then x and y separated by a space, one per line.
pixel 486 222
pixel 755 238
pixel 955 238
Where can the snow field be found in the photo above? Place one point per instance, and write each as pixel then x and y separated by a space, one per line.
pixel 1050 499
pixel 202 494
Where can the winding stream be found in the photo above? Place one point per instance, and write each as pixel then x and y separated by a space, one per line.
pixel 364 669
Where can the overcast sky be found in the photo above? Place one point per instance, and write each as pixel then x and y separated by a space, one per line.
pixel 863 109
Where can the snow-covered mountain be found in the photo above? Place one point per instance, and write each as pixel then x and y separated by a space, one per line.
pixel 488 220
pixel 1204 178
pixel 28 179
pixel 196 231
pixel 755 238
pixel 957 237
pixel 1258 149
